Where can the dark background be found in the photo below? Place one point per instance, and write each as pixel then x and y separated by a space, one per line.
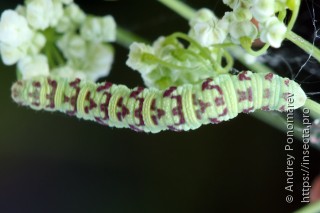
pixel 50 162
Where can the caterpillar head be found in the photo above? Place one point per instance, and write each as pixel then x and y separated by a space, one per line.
pixel 300 96
pixel 17 91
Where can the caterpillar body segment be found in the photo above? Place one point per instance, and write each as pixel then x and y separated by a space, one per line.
pixel 152 110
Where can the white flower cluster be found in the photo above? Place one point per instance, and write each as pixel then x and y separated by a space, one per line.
pixel 56 37
pixel 208 30
pixel 167 62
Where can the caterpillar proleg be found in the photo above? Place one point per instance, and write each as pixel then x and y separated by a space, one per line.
pixel 151 110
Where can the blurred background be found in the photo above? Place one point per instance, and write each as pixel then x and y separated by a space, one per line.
pixel 50 162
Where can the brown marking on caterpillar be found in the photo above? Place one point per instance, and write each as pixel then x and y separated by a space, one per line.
pixel 53 84
pixel 225 112
pixel 178 109
pixel 286 82
pixel 286 95
pixel 134 128
pixel 105 86
pixel 219 101
pixel 206 86
pixel 124 110
pixel 172 128
pixel 15 92
pixel 268 77
pixel 104 108
pixel 245 95
pixel 35 95
pixel 203 106
pixel 265 108
pixel 266 93
pixel 282 108
pixel 243 76
pixel 242 95
pixel 169 91
pixel 251 109
pixel 138 112
pixel 136 92
pixel 159 112
pixel 249 94
pixel 214 120
pixel 73 99
pixel 92 103
pixel 195 102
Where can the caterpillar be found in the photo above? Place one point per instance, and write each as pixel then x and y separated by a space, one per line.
pixel 151 110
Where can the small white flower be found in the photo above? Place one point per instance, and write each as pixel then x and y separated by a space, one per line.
pixel 31 66
pixel 99 29
pixel 38 13
pixel 207 34
pixel 273 32
pixel 262 10
pixel 72 46
pixel 243 14
pixel 37 43
pixel 94 65
pixel 21 10
pixel 14 30
pixel 11 55
pixel 205 28
pixel 226 20
pixel 234 4
pixel 72 17
pixel 203 15
pixel 56 12
pixel 99 61
pixel 74 12
pixel 243 29
pixel 136 58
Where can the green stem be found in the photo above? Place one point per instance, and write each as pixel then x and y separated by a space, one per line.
pixel 149 57
pixel 277 121
pixel 125 38
pixel 310 208
pixel 295 6
pixel 282 15
pixel 229 60
pixel 179 7
pixel 246 44
pixel 304 44
pixel 47 51
pixel 203 51
pixel 195 56
pixel 57 56
pixel 314 108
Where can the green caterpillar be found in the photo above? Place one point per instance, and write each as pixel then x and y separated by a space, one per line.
pixel 152 110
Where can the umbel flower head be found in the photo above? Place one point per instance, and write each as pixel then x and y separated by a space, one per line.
pixel 56 37
pixel 236 26
pixel 169 62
